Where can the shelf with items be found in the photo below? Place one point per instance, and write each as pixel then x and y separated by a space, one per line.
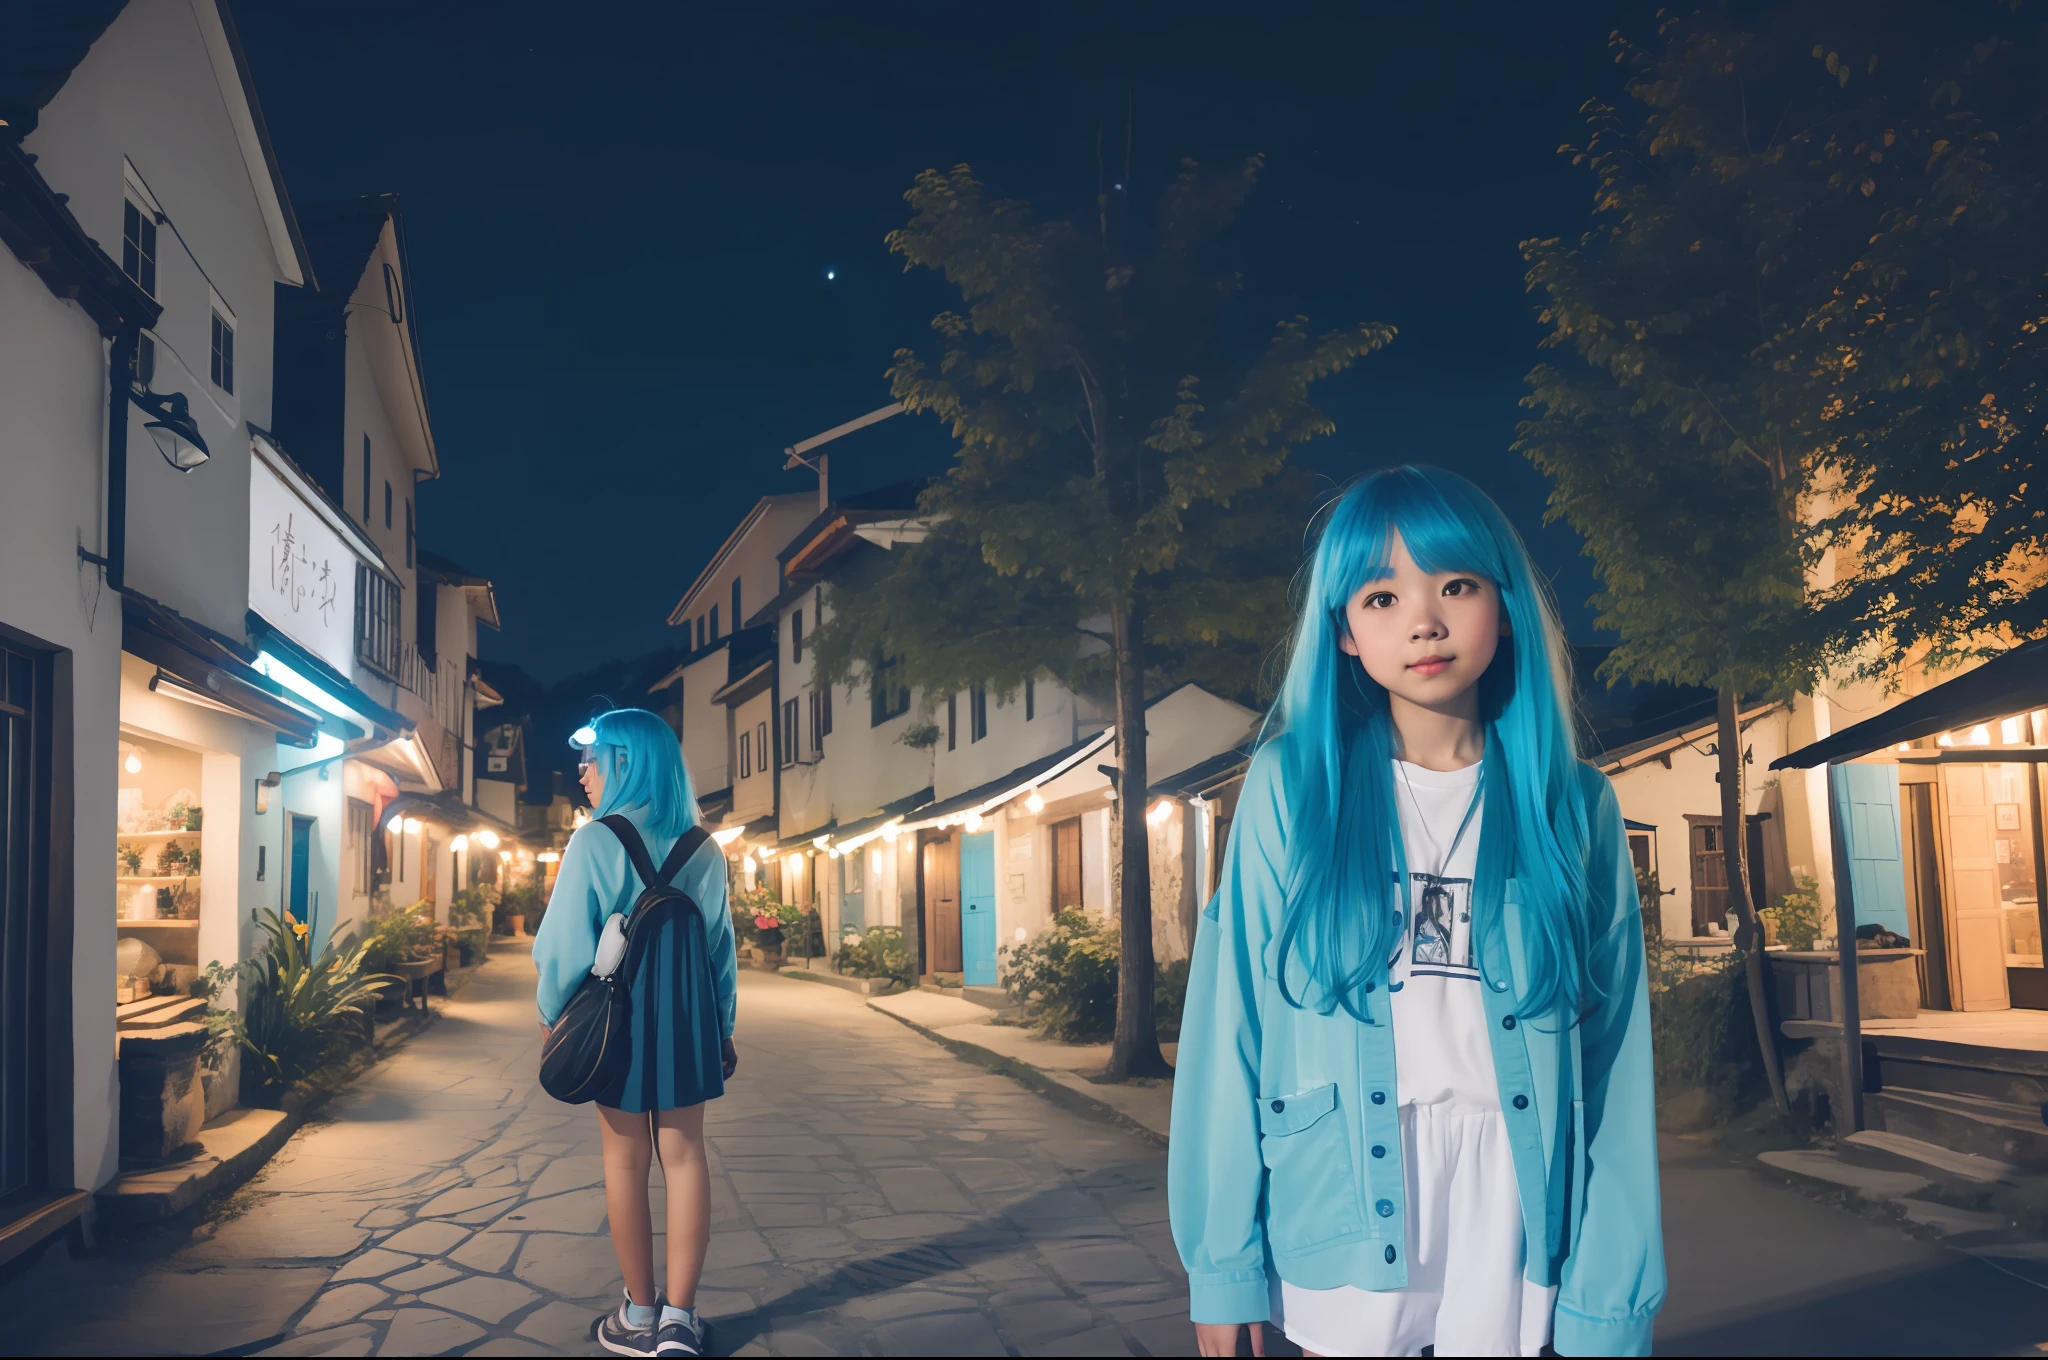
pixel 157 835
pixel 155 925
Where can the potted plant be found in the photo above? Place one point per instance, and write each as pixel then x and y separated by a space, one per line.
pixel 130 856
pixel 170 860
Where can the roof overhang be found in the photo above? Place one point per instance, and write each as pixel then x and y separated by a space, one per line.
pixel 746 686
pixel 37 226
pixel 252 135
pixel 2015 681
pixel 197 665
pixel 1659 749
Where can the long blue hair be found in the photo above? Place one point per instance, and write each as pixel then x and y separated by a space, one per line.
pixel 643 767
pixel 1333 733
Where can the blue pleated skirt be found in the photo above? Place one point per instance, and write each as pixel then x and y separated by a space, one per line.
pixel 676 1052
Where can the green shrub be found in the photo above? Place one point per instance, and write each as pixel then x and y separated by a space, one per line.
pixel 881 953
pixel 299 1013
pixel 400 935
pixel 1798 915
pixel 1169 998
pixel 1066 977
pixel 519 899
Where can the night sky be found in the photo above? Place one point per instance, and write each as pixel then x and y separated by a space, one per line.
pixel 621 219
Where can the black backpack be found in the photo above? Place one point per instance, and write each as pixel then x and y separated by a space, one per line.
pixel 591 1042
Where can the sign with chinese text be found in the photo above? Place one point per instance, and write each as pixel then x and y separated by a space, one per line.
pixel 302 574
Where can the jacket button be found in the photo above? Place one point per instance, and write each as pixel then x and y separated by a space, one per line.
pixel 1278 1106
pixel 1379 1097
pixel 1379 1150
pixel 1521 1102
pixel 1385 1208
pixel 1507 1022
pixel 1500 986
pixel 1390 1256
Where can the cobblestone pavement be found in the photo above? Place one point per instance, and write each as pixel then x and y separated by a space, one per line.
pixel 872 1195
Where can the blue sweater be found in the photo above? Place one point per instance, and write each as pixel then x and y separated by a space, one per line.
pixel 597 879
pixel 1286 1149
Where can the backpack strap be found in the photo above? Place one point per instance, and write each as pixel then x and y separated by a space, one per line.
pixel 686 846
pixel 643 863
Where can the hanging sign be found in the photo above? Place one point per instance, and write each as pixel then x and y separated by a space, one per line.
pixel 302 574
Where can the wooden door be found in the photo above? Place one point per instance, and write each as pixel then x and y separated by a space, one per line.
pixel 1923 892
pixel 1975 915
pixel 942 905
pixel 1066 864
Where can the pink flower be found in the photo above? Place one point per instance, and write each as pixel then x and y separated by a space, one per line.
pixel 765 923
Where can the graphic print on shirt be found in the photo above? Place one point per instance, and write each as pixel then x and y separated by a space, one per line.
pixel 1440 943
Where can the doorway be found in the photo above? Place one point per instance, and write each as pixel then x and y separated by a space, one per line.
pixel 26 799
pixel 942 906
pixel 299 879
pixel 1923 892
pixel 978 908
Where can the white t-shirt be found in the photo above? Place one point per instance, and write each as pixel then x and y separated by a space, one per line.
pixel 1443 1053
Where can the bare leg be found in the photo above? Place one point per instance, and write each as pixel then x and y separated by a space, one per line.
pixel 628 1151
pixel 679 1135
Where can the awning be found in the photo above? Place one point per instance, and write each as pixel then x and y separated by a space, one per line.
pixel 337 686
pixel 450 811
pixel 200 666
pixel 2012 682
pixel 1198 779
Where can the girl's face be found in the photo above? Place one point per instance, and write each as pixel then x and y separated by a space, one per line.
pixel 590 773
pixel 1426 637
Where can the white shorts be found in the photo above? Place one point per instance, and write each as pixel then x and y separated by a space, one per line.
pixel 1466 1292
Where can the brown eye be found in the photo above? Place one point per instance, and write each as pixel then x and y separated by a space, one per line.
pixel 1381 599
pixel 1462 587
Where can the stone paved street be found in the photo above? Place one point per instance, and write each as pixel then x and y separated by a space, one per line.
pixel 873 1194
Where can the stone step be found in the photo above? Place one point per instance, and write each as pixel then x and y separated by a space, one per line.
pixel 1865 1182
pixel 995 998
pixel 1897 1152
pixel 1996 1130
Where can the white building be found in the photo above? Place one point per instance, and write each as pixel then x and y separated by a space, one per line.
pixel 140 188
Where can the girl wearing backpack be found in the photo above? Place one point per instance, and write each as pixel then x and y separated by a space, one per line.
pixel 682 992
pixel 1413 1101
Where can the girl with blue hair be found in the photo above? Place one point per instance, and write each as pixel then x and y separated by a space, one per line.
pixel 1413 1101
pixel 683 996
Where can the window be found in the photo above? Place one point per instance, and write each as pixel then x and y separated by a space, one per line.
pixel 1710 896
pixel 977 713
pixel 761 747
pixel 222 368
pixel 796 636
pixel 714 623
pixel 1030 700
pixel 790 711
pixel 952 721
pixel 377 640
pixel 737 613
pixel 886 697
pixel 359 830
pixel 366 481
pixel 408 531
pixel 746 754
pixel 387 505
pixel 821 719
pixel 700 630
pixel 138 245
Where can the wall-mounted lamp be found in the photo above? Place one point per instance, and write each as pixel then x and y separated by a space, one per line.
pixel 1035 803
pixel 133 764
pixel 459 844
pixel 263 788
pixel 489 838
pixel 175 432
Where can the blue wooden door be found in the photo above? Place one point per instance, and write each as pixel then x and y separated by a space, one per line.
pixel 1867 802
pixel 978 908
pixel 301 877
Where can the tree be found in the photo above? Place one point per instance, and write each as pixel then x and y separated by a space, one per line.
pixel 1121 509
pixel 1933 345
pixel 1678 443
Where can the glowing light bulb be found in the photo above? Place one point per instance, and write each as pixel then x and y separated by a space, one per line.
pixel 1980 735
pixel 973 822
pixel 1944 740
pixel 585 735
pixel 459 843
pixel 489 838
pixel 505 856
pixel 396 824
pixel 1161 810
pixel 891 832
pixel 133 764
pixel 412 824
pixel 749 865
pixel 1035 803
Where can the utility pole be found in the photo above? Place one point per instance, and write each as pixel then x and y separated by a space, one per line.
pixel 793 456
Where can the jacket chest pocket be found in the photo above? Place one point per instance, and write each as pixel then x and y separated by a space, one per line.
pixel 1311 1191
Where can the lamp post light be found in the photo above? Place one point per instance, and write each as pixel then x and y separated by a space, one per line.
pixel 175 432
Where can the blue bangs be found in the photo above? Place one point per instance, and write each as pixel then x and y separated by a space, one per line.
pixel 643 768
pixel 1333 732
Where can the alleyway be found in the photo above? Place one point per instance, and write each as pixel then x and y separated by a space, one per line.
pixel 874 1196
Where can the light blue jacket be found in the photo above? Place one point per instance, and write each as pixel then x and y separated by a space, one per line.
pixel 1286 1149
pixel 597 879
